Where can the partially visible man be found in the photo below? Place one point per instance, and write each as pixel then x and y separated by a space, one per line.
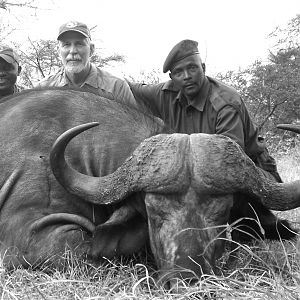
pixel 192 102
pixel 75 49
pixel 9 71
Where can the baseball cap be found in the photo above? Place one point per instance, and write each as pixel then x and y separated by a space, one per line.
pixel 74 26
pixel 8 54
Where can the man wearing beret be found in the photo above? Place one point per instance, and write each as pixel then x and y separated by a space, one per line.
pixel 9 71
pixel 192 102
pixel 76 49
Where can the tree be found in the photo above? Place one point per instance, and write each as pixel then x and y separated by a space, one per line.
pixel 12 12
pixel 4 4
pixel 271 90
pixel 38 61
pixel 108 60
pixel 151 77
pixel 287 37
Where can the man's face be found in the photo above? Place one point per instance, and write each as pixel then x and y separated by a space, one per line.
pixel 188 74
pixel 75 51
pixel 8 74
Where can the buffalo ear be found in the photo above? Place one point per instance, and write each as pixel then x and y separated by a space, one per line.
pixel 119 238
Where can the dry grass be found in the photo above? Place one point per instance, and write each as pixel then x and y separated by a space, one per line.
pixel 289 169
pixel 263 270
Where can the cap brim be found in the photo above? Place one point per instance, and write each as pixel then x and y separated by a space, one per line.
pixel 8 58
pixel 84 34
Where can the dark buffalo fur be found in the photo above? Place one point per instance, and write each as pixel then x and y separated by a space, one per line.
pixel 252 220
pixel 143 109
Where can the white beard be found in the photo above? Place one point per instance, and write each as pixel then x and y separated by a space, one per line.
pixel 74 68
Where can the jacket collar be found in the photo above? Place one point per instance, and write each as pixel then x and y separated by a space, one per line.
pixel 199 101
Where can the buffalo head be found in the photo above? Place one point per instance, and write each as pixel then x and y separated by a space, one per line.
pixel 189 181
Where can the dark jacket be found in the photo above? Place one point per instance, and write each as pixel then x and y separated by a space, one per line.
pixel 218 109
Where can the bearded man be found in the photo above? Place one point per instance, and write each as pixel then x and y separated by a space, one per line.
pixel 75 50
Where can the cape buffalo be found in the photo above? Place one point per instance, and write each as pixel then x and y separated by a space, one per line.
pixel 189 182
pixel 96 206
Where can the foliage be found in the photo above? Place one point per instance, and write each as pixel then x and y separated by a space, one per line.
pixel 12 12
pixel 4 4
pixel 287 37
pixel 104 61
pixel 38 61
pixel 151 77
pixel 271 89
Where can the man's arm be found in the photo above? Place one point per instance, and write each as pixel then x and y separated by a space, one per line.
pixel 124 93
pixel 148 96
pixel 229 123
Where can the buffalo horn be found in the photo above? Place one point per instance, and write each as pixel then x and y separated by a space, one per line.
pixel 157 165
pixel 290 127
pixel 230 170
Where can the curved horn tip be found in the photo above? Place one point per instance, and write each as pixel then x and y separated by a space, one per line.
pixel 72 132
pixel 282 126
pixel 290 127
pixel 86 126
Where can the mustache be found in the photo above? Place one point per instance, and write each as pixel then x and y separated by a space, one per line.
pixel 72 58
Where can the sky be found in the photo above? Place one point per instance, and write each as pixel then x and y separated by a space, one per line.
pixel 231 34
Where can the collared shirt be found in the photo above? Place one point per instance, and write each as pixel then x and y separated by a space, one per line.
pixel 218 109
pixel 98 81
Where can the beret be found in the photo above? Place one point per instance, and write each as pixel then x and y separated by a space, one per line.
pixel 74 26
pixel 8 54
pixel 180 51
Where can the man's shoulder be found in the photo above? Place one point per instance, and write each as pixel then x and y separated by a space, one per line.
pixel 51 80
pixel 151 86
pixel 106 73
pixel 222 88
pixel 169 86
pixel 108 82
pixel 109 77
pixel 166 87
pixel 111 86
pixel 223 94
pixel 153 91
